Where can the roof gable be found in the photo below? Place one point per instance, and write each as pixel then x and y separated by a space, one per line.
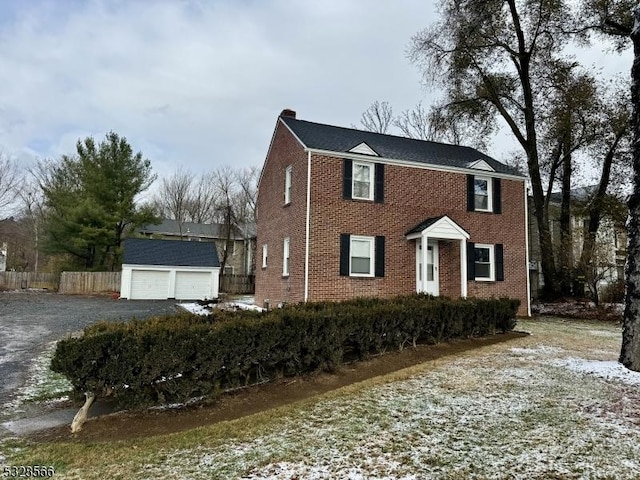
pixel 438 227
pixel 142 251
pixel 342 140
pixel 481 165
pixel 364 149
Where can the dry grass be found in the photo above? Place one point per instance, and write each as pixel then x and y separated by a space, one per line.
pixel 513 410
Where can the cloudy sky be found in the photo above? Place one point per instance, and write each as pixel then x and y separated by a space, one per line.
pixel 200 83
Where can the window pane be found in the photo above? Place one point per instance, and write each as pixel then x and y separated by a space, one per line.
pixel 483 270
pixel 482 202
pixel 360 265
pixel 360 248
pixel 482 255
pixel 361 190
pixel 361 173
pixel 481 187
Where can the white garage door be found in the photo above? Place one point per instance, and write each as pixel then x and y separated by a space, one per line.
pixel 193 285
pixel 149 285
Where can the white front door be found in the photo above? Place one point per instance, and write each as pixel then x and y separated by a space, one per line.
pixel 430 284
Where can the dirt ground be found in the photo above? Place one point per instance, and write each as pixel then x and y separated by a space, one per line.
pixel 136 424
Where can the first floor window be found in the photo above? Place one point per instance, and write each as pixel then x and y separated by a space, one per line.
pixel 484 262
pixel 228 270
pixel 264 256
pixel 285 257
pixel 361 256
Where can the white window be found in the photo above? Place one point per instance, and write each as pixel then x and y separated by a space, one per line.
pixel 361 256
pixel 285 257
pixel 482 190
pixel 264 256
pixel 228 270
pixel 287 185
pixel 484 262
pixel 362 186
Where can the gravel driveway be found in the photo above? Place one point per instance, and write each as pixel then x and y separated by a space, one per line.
pixel 29 321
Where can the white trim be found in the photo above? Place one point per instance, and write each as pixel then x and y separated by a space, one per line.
pixel 265 253
pixel 489 193
pixel 371 167
pixel 307 228
pixel 286 256
pixel 372 242
pixel 481 165
pixel 526 251
pixel 492 263
pixel 458 234
pixel 463 268
pixel 407 163
pixel 364 149
pixel 287 184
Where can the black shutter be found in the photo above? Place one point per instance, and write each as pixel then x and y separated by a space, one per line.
pixel 345 240
pixel 347 178
pixel 471 197
pixel 471 261
pixel 378 193
pixel 379 267
pixel 497 196
pixel 499 253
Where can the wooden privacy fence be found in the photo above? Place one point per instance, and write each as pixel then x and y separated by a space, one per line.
pixel 24 280
pixel 89 282
pixel 101 282
pixel 237 283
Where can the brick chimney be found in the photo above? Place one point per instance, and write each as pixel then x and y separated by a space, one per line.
pixel 288 113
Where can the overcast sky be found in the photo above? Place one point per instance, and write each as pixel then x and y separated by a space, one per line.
pixel 200 83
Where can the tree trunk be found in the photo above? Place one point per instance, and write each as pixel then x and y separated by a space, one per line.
pixel 81 416
pixel 630 352
pixel 566 238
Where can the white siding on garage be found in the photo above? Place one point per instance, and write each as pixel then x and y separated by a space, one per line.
pixel 194 285
pixel 149 284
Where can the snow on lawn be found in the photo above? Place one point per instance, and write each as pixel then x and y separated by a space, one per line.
pixel 198 309
pixel 42 384
pixel 505 411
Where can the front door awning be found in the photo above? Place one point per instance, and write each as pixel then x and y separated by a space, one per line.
pixel 438 227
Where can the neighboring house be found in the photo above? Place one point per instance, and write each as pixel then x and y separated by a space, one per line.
pixel 3 257
pixel 610 252
pixel 345 213
pixel 241 257
pixel 161 269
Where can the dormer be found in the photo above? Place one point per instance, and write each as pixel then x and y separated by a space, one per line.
pixel 363 149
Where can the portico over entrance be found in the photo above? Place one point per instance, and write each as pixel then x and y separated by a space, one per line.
pixel 427 235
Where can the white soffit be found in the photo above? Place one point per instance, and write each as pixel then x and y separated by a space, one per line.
pixel 363 149
pixel 481 165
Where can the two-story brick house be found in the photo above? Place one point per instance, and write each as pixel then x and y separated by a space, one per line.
pixel 344 213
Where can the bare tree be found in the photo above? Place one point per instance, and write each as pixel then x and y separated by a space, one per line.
pixel 247 179
pixel 415 123
pixel 204 199
pixel 224 179
pixel 378 117
pixel 10 181
pixel 173 198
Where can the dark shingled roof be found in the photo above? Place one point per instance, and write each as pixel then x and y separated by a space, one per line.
pixel 143 251
pixel 424 224
pixel 339 139
pixel 204 230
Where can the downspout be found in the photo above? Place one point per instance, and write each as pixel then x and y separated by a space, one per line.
pixel 526 233
pixel 307 230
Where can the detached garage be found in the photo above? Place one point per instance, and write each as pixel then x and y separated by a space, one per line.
pixel 161 269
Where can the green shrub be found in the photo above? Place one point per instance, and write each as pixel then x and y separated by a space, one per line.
pixel 174 358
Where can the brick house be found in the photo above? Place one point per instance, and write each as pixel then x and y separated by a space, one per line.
pixel 344 213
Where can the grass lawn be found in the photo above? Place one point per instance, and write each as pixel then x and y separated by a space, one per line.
pixel 551 405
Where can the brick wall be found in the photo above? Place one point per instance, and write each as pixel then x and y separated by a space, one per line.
pixel 276 221
pixel 411 195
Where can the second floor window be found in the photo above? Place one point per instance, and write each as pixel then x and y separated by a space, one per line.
pixel 362 181
pixel 482 194
pixel 287 185
pixel 264 256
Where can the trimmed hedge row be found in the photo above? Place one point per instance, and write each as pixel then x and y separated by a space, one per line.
pixel 174 358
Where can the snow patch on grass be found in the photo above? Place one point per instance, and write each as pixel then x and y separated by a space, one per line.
pixel 42 384
pixel 609 370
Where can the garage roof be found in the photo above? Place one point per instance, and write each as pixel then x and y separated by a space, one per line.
pixel 142 251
